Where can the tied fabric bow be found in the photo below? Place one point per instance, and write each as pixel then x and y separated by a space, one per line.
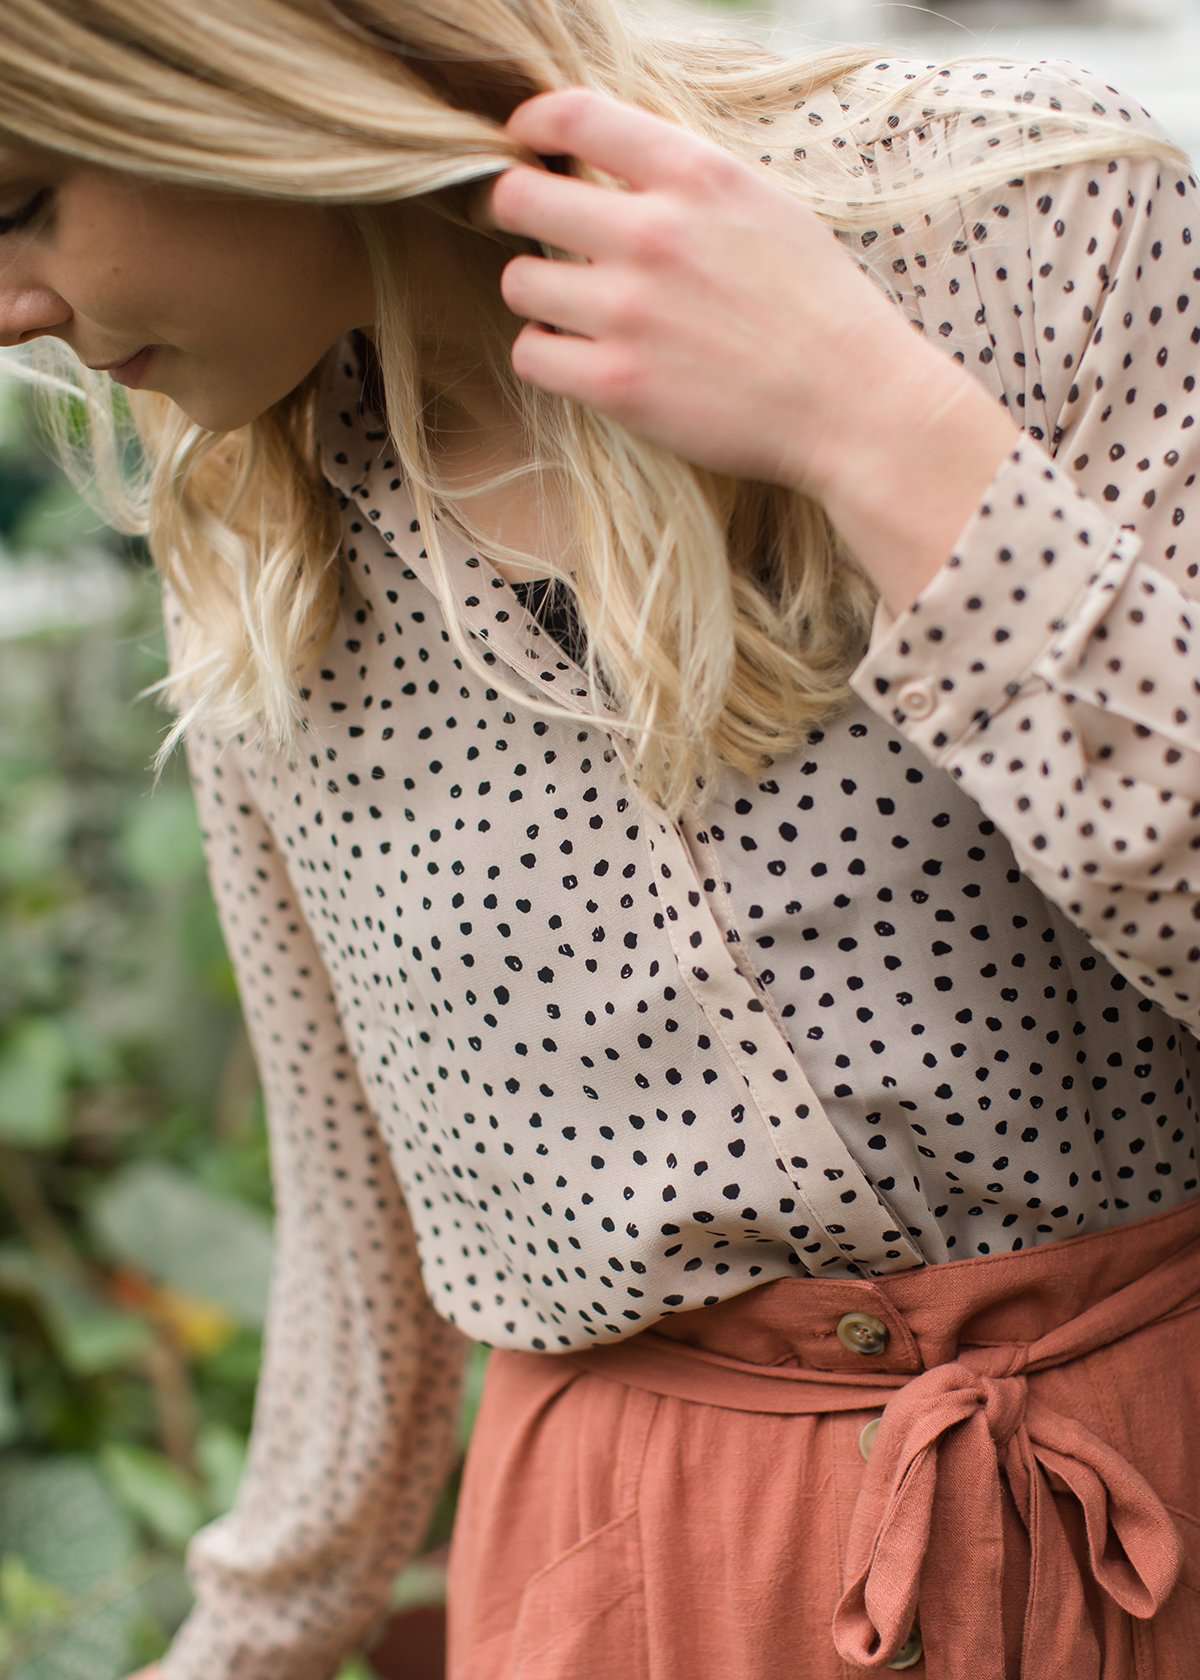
pixel 928 1524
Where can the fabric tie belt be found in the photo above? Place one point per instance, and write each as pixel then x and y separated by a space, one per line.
pixel 927 1521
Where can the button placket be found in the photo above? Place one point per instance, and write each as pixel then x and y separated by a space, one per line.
pixel 913 1648
pixel 850 1223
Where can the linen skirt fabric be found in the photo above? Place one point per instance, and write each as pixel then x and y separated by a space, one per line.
pixel 982 1470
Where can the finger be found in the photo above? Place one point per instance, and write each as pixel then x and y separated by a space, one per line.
pixel 479 200
pixel 572 296
pixel 577 216
pixel 565 366
pixel 622 139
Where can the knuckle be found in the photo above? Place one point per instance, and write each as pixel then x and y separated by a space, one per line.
pixel 619 384
pixel 575 105
pixel 658 237
pixel 707 170
pixel 627 308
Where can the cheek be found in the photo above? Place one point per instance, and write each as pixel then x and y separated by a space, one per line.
pixel 111 267
pixel 294 259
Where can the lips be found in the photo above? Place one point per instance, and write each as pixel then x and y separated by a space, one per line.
pixel 110 367
pixel 132 373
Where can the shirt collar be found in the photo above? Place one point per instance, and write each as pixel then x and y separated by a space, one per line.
pixel 355 457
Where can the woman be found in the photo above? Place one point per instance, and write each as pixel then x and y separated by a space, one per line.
pixel 680 584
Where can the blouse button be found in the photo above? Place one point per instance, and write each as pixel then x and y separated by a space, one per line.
pixel 917 699
pixel 910 1652
pixel 862 1333
pixel 867 1434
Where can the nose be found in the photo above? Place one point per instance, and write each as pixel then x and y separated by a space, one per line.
pixel 28 312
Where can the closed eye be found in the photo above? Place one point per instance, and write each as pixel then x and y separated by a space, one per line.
pixel 10 224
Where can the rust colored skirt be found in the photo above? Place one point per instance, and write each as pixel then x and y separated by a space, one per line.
pixel 987 1469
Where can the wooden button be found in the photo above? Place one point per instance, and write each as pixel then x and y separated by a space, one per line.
pixel 867 1434
pixel 910 1652
pixel 862 1333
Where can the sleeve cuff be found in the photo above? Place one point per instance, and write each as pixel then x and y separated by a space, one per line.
pixel 1034 570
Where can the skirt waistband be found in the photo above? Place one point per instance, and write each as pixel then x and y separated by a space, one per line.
pixel 1071 1296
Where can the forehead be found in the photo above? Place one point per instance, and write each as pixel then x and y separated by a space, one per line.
pixel 18 160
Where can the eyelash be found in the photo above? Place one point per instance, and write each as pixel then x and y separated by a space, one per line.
pixel 23 218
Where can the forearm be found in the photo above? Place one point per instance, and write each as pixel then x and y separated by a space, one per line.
pixel 902 493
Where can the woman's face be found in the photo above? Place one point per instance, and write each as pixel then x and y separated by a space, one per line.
pixel 241 297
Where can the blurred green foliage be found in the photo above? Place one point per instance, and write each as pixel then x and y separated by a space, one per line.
pixel 135 1196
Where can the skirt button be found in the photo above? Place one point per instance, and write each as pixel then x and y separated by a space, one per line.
pixel 862 1332
pixel 910 1652
pixel 867 1434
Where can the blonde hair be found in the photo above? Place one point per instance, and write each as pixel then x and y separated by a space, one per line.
pixel 723 616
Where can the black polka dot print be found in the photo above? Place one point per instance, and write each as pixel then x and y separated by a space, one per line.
pixel 542 1067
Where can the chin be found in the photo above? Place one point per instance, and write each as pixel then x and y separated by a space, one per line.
pixel 223 417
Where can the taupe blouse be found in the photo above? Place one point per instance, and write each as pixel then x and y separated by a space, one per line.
pixel 541 1067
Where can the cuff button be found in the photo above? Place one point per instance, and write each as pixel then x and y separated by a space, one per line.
pixel 917 699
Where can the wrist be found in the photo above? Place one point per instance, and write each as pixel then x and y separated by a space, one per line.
pixel 901 496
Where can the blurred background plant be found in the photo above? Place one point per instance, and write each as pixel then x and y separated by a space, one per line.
pixel 135 1200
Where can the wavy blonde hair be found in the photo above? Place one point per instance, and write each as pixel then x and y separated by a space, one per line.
pixel 723 616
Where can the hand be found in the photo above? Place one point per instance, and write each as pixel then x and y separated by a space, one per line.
pixel 714 314
pixel 154 1672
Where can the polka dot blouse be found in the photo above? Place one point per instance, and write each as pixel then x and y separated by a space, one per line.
pixel 541 1067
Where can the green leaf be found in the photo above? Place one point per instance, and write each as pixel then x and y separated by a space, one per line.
pixel 35 830
pixel 35 1066
pixel 161 840
pixel 61 1521
pixel 95 1059
pixel 156 1218
pixel 473 1378
pixel 25 1598
pixel 56 520
pixel 166 1597
pixel 421 1583
pixel 89 1334
pixel 221 1452
pixel 203 947
pixel 237 1366
pixel 99 1338
pixel 10 1417
pixel 149 1486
